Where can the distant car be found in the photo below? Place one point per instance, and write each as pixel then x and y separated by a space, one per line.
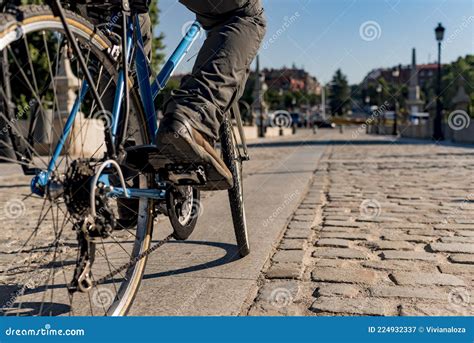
pixel 324 123
pixel 419 117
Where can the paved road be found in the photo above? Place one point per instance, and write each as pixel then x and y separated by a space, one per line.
pixel 340 224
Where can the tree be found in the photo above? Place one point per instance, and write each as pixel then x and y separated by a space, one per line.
pixel 339 93
pixel 461 69
pixel 157 43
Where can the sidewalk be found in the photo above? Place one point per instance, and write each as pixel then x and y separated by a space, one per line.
pixel 386 229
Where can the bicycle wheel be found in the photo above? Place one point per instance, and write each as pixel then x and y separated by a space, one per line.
pixel 39 248
pixel 232 159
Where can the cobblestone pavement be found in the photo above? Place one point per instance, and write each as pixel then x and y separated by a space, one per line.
pixel 385 229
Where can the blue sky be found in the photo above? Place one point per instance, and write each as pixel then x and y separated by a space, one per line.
pixel 323 35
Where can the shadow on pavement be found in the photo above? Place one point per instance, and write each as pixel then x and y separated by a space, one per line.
pixel 231 255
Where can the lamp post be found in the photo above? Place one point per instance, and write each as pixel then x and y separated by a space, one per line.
pixel 396 73
pixel 379 94
pixel 368 121
pixel 438 122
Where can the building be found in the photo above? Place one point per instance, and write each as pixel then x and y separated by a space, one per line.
pixel 426 74
pixel 291 79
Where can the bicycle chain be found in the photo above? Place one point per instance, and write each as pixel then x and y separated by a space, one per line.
pixel 132 262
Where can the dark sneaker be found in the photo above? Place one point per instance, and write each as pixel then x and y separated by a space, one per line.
pixel 179 144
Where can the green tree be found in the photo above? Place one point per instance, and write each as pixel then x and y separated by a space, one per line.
pixel 157 43
pixel 460 70
pixel 339 94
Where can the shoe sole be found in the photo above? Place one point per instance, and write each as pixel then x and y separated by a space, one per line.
pixel 179 150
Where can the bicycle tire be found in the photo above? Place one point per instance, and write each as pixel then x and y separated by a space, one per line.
pixel 236 193
pixel 39 18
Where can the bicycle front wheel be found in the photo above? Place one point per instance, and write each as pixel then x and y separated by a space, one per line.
pixel 39 247
pixel 236 193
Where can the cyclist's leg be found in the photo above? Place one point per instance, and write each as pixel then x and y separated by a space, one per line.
pixel 194 113
pixel 222 66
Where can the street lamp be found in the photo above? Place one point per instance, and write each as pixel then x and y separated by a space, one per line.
pixel 367 109
pixel 396 73
pixel 379 92
pixel 438 123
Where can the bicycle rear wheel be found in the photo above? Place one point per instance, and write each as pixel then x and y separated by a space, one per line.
pixel 39 247
pixel 233 161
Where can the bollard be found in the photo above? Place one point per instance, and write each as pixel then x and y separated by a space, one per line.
pixel 5 145
pixel 44 125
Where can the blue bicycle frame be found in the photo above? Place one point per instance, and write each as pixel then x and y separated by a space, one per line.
pixel 148 92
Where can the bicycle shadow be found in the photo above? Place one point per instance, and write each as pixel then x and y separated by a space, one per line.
pixel 9 293
pixel 10 308
pixel 231 250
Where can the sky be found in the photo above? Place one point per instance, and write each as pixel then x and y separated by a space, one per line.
pixel 353 35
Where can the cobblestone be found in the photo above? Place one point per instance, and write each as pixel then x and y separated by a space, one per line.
pixel 346 275
pixel 298 233
pixel 339 289
pixel 404 278
pixel 462 258
pixel 393 245
pixel 297 225
pixel 407 255
pixel 363 306
pixel 408 292
pixel 285 271
pixel 407 252
pixel 452 247
pixel 434 309
pixel 340 253
pixel 288 256
pixel 333 242
pixel 292 244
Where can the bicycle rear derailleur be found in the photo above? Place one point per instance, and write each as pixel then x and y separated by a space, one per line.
pixel 77 195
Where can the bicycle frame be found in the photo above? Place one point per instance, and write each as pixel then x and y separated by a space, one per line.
pixel 148 92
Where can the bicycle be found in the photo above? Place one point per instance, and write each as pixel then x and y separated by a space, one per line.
pixel 71 258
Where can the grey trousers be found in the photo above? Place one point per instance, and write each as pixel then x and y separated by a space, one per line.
pixel 235 30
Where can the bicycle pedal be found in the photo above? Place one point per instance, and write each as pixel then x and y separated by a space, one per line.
pixel 186 175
